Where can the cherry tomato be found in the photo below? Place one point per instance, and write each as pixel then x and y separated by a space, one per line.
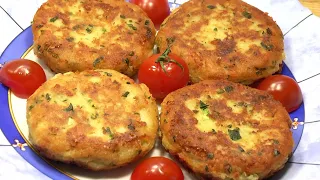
pixel 163 75
pixel 22 76
pixel 157 10
pixel 284 89
pixel 157 168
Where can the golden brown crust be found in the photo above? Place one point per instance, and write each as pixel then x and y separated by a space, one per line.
pixel 97 119
pixel 79 35
pixel 221 130
pixel 224 39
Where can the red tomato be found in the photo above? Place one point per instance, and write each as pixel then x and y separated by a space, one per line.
pixel 157 10
pixel 22 76
pixel 162 80
pixel 157 168
pixel 284 89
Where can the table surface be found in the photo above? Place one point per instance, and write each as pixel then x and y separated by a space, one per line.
pixel 302 38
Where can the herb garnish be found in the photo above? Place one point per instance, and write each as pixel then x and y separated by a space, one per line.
pixel 211 7
pixel 266 47
pixel 269 31
pixel 108 74
pixel 70 39
pixel 214 131
pixel 54 19
pixel 104 30
pixel 203 106
pixel 94 116
pixel 234 134
pixel 48 98
pixel 108 131
pixel 131 126
pixel 132 27
pixel 246 14
pixel 210 156
pixel 69 108
pixel 147 22
pixel 220 91
pixel 89 28
pixel 31 107
pixel 276 152
pixel 125 94
pixel 126 60
pixel 97 61
pixel 240 149
pixel 228 89
pixel 215 29
pixel 122 16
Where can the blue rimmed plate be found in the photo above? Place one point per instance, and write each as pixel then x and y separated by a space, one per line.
pixel 14 126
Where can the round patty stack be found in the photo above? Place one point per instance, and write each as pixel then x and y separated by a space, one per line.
pixel 225 130
pixel 77 35
pixel 224 39
pixel 96 119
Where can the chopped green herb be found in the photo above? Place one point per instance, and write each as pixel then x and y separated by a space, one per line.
pixel 131 53
pixel 131 127
pixel 210 156
pixel 108 131
pixel 132 27
pixel 108 74
pixel 229 126
pixel 228 89
pixel 215 29
pixel 240 149
pixel 89 100
pixel 54 19
pixel 38 47
pixel 246 14
pixel 147 22
pixel 76 27
pixel 149 97
pixel 234 134
pixel 276 152
pixel 122 16
pixel 128 83
pixel 69 108
pixel 211 7
pixel 39 26
pixel 126 60
pixel 214 131
pixel 275 141
pixel 70 39
pixel 97 61
pixel 48 98
pixel 195 111
pixel 31 107
pixel 259 71
pixel 203 106
pixel 94 116
pixel 89 28
pixel 206 168
pixel 104 30
pixel 125 94
pixel 266 47
pixel 269 31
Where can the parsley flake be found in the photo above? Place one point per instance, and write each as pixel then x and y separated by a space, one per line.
pixel 125 94
pixel 211 7
pixel 234 134
pixel 246 15
pixel 276 153
pixel 97 61
pixel 203 106
pixel 69 108
pixel 266 46
pixel 210 156
pixel 228 89
pixel 54 19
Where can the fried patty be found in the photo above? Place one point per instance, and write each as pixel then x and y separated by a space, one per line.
pixel 224 39
pixel 97 119
pixel 77 35
pixel 225 130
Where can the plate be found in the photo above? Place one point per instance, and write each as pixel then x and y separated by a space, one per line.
pixel 14 126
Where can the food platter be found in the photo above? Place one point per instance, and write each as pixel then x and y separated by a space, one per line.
pixel 15 129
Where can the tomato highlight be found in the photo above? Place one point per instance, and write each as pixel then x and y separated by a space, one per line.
pixel 157 168
pixel 284 89
pixel 22 76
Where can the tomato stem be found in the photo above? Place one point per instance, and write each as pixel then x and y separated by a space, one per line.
pixel 164 57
